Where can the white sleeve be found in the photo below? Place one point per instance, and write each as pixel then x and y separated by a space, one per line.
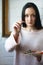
pixel 10 42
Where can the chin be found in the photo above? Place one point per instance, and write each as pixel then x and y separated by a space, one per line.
pixel 30 25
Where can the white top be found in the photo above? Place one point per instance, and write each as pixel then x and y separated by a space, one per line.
pixel 27 41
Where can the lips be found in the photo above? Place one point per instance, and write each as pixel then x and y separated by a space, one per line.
pixel 29 23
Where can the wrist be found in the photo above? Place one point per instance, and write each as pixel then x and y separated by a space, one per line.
pixel 16 37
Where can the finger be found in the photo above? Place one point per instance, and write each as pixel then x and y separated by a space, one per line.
pixel 19 25
pixel 17 28
pixel 16 25
pixel 20 22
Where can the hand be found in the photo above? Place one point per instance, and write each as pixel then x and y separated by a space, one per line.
pixel 38 56
pixel 17 26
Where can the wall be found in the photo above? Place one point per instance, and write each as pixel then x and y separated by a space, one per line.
pixel 14 14
pixel 5 57
pixel 0 17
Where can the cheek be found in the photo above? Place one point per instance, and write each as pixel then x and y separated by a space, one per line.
pixel 33 19
pixel 33 22
pixel 26 20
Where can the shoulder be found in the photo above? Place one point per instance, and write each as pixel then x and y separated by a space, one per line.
pixel 41 33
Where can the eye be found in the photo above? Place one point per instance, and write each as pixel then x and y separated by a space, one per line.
pixel 26 15
pixel 33 15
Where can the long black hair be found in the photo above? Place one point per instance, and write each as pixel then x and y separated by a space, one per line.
pixel 38 20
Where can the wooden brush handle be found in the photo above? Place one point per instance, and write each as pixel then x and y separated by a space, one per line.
pixel 38 52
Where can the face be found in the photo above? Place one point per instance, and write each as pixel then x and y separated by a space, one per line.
pixel 30 17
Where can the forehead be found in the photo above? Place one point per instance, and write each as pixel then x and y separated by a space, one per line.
pixel 30 11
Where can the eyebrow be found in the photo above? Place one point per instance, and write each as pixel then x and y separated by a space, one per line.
pixel 31 14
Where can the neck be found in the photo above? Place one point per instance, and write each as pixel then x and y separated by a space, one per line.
pixel 31 28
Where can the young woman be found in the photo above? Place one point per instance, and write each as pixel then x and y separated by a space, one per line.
pixel 27 36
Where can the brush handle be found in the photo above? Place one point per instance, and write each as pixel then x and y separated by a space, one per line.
pixel 33 52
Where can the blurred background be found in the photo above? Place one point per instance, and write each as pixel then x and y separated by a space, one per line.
pixel 14 14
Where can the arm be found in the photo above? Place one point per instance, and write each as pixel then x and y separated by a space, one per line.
pixel 11 43
pixel 14 38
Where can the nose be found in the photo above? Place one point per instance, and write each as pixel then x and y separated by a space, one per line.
pixel 29 18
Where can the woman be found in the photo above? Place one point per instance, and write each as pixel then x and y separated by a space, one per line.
pixel 27 37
